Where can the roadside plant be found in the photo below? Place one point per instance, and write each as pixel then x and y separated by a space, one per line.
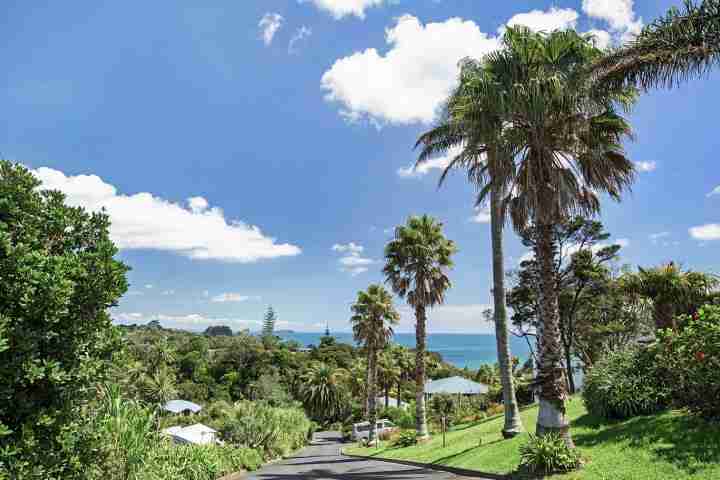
pixel 547 455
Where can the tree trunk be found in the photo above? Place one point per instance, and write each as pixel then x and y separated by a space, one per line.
pixel 513 424
pixel 387 395
pixel 420 419
pixel 664 315
pixel 399 392
pixel 551 372
pixel 372 413
pixel 569 370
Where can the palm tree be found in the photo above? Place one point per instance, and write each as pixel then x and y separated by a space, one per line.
pixel 406 366
pixel 388 372
pixel 680 45
pixel 322 391
pixel 672 291
pixel 372 321
pixel 562 142
pixel 477 131
pixel 159 386
pixel 416 264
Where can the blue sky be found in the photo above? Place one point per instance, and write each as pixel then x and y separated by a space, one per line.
pixel 235 143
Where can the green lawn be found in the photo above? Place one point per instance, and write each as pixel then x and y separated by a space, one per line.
pixel 671 445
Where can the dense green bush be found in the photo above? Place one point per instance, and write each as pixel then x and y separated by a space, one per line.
pixel 626 383
pixel 58 277
pixel 406 438
pixel 692 359
pixel 402 417
pixel 547 455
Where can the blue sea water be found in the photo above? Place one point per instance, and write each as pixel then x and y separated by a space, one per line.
pixel 461 350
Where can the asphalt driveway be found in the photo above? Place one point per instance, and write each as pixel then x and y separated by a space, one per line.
pixel 322 461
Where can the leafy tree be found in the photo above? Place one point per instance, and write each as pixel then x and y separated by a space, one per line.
pixel 416 264
pixel 672 291
pixel 473 120
pixel 59 277
pixel 682 44
pixel 218 330
pixel 269 323
pixel 373 318
pixel 563 143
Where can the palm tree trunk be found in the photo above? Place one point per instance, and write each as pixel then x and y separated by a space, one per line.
pixel 664 315
pixel 399 392
pixel 551 372
pixel 420 418
pixel 372 411
pixel 513 424
pixel 387 395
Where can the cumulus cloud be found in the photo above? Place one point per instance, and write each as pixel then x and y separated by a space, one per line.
pixel 232 297
pixel 412 171
pixel 601 38
pixel 192 321
pixel 714 191
pixel 407 83
pixel 645 166
pixel 269 25
pixel 449 319
pixel 352 261
pixel 544 21
pixel 619 14
pixel 300 34
pixel 482 215
pixel 709 231
pixel 344 8
pixel 144 221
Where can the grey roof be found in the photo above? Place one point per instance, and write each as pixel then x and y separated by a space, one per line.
pixel 455 385
pixel 177 406
pixel 198 434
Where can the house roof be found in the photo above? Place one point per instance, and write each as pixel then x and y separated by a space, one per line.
pixel 198 434
pixel 459 385
pixel 177 406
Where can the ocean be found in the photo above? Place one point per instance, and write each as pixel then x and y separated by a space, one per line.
pixel 461 350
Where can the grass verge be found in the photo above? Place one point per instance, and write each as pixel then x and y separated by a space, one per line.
pixel 671 445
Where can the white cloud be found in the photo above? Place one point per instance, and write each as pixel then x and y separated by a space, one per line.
pixel 407 83
pixel 645 166
pixel 343 8
pixel 192 321
pixel 482 215
pixel 437 163
pixel 710 231
pixel 143 221
pixel 655 237
pixel 714 191
pixel 300 34
pixel 269 25
pixel 149 286
pixel 619 14
pixel 544 21
pixel 570 249
pixel 449 319
pixel 233 297
pixel 601 38
pixel 352 262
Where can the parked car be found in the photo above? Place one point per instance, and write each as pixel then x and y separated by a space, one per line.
pixel 361 431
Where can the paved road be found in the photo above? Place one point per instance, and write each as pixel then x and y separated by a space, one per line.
pixel 322 461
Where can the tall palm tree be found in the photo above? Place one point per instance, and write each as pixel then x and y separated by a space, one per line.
pixel 562 137
pixel 373 318
pixel 672 291
pixel 323 392
pixel 416 264
pixel 682 44
pixel 406 367
pixel 477 132
pixel 388 373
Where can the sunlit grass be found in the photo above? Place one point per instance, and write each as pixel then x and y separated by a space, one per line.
pixel 670 445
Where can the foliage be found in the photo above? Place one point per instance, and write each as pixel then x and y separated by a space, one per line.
pixel 547 455
pixel 692 358
pixel 405 438
pixel 59 276
pixel 218 330
pixel 624 384
pixel 323 392
pixel 682 44
pixel 443 405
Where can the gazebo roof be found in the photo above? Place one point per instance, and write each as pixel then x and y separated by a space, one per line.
pixel 455 385
pixel 177 406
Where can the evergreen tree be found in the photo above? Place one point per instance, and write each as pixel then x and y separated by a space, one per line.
pixel 269 323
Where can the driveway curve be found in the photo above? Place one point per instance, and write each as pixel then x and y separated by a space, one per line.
pixel 322 461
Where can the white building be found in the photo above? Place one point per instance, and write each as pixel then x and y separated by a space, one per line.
pixel 197 434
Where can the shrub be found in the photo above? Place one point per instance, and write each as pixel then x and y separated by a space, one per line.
pixel 547 455
pixel 402 417
pixel 624 384
pixel 494 409
pixel 692 357
pixel 406 438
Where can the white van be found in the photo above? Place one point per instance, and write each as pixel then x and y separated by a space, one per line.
pixel 361 431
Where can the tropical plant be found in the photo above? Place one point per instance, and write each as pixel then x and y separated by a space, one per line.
pixel 373 318
pixel 673 292
pixel 416 264
pixel 323 392
pixel 562 140
pixel 389 374
pixel 473 122
pixel 682 44
pixel 549 454
pixel 406 438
